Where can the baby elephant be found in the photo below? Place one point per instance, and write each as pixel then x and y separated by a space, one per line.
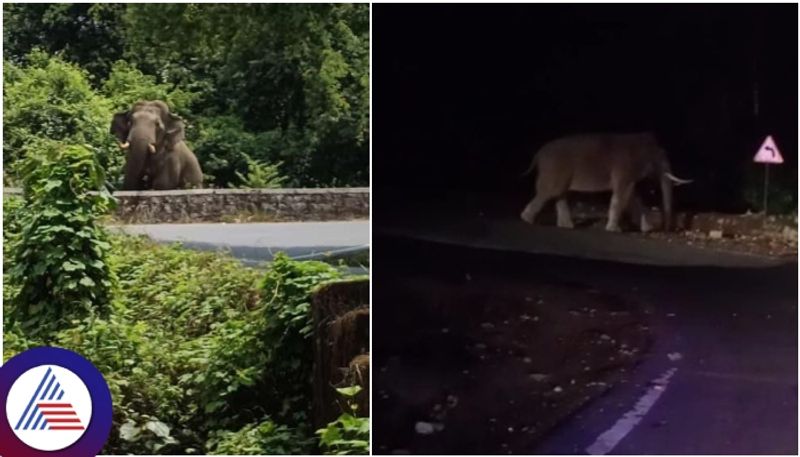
pixel 599 163
pixel 153 137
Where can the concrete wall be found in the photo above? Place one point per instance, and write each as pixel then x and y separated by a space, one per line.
pixel 198 205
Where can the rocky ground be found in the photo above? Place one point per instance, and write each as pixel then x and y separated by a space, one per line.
pixel 767 243
pixel 749 233
pixel 497 359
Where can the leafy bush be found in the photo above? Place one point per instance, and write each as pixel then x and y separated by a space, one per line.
pixel 12 210
pixel 225 148
pixel 782 199
pixel 127 85
pixel 196 352
pixel 348 434
pixel 260 175
pixel 286 297
pixel 50 99
pixel 265 438
pixel 59 258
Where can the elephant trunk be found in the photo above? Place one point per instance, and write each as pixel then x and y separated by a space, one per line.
pixel 137 155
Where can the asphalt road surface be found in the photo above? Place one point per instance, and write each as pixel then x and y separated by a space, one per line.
pixel 259 242
pixel 725 340
pixel 720 378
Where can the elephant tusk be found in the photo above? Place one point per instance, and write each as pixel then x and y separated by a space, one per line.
pixel 124 145
pixel 152 148
pixel 678 181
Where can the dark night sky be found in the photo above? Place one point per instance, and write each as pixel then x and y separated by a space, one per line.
pixel 463 95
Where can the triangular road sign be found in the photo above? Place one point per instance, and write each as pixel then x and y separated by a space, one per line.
pixel 768 152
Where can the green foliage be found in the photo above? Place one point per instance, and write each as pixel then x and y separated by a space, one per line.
pixel 150 436
pixel 782 190
pixel 298 74
pixel 59 257
pixel 12 217
pixel 279 83
pixel 195 353
pixel 127 85
pixel 225 149
pixel 264 438
pixel 349 434
pixel 48 98
pixel 260 175
pixel 90 35
pixel 12 210
pixel 286 291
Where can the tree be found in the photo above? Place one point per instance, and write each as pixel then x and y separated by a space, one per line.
pixel 89 35
pixel 291 82
pixel 48 98
pixel 301 72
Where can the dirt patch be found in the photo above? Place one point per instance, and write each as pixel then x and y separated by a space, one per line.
pixel 765 243
pixel 773 236
pixel 494 360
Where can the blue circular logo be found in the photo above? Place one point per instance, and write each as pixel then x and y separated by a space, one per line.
pixel 55 404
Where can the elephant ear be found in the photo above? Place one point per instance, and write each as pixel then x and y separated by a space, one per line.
pixel 120 126
pixel 175 130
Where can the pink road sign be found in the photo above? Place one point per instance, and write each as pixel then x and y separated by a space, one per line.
pixel 768 152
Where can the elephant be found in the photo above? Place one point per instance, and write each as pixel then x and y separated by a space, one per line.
pixel 156 155
pixel 598 163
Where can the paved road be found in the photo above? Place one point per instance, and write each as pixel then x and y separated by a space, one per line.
pixel 730 335
pixel 721 377
pixel 258 242
pixel 492 221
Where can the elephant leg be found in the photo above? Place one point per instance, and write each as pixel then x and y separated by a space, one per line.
pixel 639 214
pixel 534 207
pixel 161 182
pixel 166 180
pixel 167 174
pixel 619 202
pixel 562 210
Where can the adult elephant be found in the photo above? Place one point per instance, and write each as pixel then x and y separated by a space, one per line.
pixel 597 163
pixel 156 155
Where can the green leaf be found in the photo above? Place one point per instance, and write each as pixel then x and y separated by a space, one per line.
pixel 129 431
pixel 349 392
pixel 73 265
pixel 159 428
pixel 52 184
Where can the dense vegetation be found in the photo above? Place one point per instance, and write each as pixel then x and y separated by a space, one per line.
pixel 273 94
pixel 202 355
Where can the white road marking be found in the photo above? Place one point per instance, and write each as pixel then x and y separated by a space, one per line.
pixel 611 437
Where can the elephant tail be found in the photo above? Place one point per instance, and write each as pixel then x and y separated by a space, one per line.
pixel 532 166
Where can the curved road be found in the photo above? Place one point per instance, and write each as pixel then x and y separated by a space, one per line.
pixel 257 242
pixel 721 377
pixel 725 338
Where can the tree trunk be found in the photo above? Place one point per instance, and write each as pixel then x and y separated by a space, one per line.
pixel 341 347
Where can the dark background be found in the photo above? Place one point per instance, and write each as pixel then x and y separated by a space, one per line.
pixel 463 95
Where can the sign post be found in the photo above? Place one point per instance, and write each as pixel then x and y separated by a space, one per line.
pixel 768 153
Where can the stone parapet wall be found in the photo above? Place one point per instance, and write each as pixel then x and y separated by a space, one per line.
pixel 211 205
